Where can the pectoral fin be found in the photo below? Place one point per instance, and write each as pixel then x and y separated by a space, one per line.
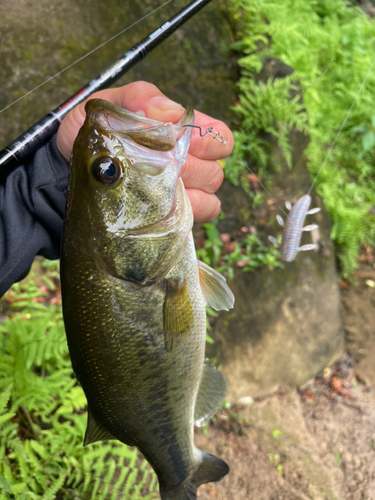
pixel 216 292
pixel 213 389
pixel 95 431
pixel 178 311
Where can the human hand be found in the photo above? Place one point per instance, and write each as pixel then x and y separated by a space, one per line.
pixel 202 174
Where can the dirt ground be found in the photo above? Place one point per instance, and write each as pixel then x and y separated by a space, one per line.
pixel 315 443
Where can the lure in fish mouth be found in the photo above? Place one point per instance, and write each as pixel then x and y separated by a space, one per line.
pixel 134 295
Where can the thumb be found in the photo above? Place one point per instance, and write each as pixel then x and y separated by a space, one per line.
pixel 163 109
pixel 146 97
pixel 137 96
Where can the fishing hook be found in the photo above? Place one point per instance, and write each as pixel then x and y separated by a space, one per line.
pixel 211 132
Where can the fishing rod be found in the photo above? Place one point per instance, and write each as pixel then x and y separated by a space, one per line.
pixel 39 133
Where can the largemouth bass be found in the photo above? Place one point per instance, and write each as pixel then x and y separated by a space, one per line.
pixel 134 295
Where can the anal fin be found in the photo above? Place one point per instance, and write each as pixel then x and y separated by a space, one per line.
pixel 95 431
pixel 213 389
pixel 216 292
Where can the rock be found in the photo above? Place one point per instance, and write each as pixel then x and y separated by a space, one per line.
pixel 286 324
pixel 367 7
pixel 283 328
pixel 39 39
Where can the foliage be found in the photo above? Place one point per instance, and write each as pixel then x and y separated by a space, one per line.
pixel 248 253
pixel 43 413
pixel 212 249
pixel 307 36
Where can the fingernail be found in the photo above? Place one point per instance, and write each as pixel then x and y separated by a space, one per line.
pixel 165 104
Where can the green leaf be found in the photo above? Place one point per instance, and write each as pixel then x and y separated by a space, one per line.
pixel 359 128
pixel 18 488
pixel 212 233
pixel 6 416
pixel 209 339
pixel 4 484
pixel 368 141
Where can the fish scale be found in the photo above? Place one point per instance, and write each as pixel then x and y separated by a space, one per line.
pixel 97 347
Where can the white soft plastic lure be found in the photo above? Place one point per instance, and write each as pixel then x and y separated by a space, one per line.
pixel 293 228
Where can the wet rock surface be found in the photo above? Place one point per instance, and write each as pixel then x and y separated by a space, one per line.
pixel 316 443
pixel 39 39
pixel 359 313
pixel 286 325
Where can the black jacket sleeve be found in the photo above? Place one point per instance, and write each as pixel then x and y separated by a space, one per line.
pixel 32 208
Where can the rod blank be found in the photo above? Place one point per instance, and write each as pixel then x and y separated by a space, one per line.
pixel 39 133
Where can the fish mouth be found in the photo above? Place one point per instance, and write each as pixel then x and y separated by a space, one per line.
pixel 155 135
pixel 154 154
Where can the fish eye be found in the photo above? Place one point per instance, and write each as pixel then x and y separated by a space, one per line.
pixel 107 170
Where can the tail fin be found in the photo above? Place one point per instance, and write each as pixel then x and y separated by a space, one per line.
pixel 210 469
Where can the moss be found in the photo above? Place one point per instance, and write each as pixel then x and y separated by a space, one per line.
pixel 189 67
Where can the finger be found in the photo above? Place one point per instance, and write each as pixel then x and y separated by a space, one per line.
pixel 148 98
pixel 206 147
pixel 206 207
pixel 143 96
pixel 206 175
pixel 133 97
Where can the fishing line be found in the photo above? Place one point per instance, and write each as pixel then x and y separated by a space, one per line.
pixel 271 113
pixel 288 102
pixel 86 55
pixel 337 135
pixel 294 225
pixel 342 126
pixel 216 135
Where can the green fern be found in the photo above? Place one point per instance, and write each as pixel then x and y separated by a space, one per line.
pixel 307 36
pixel 43 417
